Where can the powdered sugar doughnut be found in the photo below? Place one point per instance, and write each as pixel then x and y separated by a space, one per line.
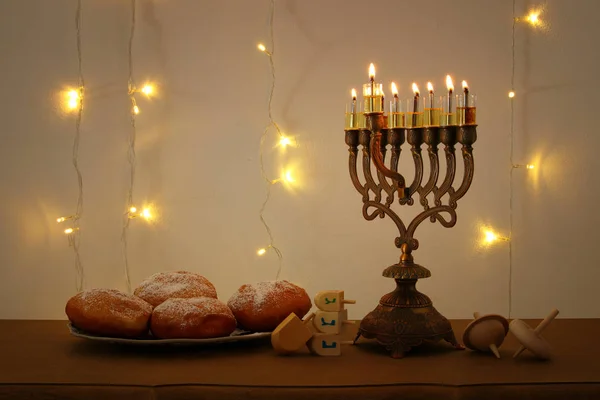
pixel 196 318
pixel 169 285
pixel 260 307
pixel 109 312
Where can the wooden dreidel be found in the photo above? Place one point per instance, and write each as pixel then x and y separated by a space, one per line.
pixel 330 321
pixel 325 344
pixel 530 339
pixel 291 334
pixel 486 333
pixel 331 300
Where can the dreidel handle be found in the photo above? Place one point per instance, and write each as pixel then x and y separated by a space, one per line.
pixel 308 318
pixel 538 329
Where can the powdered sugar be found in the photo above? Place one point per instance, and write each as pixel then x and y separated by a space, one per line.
pixel 165 285
pixel 116 303
pixel 203 305
pixel 185 311
pixel 257 294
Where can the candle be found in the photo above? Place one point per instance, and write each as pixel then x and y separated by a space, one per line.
pixel 353 101
pixel 450 87
pixel 395 93
pixel 382 101
pixel 466 90
pixel 372 78
pixel 430 89
pixel 372 92
pixel 415 89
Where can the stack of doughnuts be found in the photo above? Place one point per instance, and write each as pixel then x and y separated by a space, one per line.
pixel 182 304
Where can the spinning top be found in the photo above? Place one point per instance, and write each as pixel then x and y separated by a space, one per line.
pixel 486 333
pixel 292 334
pixel 530 339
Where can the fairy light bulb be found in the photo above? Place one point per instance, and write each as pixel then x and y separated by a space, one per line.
pixel 490 237
pixel 530 166
pixel 284 141
pixel 511 94
pixel 146 214
pixel 533 18
pixel 136 110
pixel 73 99
pixel 288 177
pixel 261 252
pixel 132 210
pixel 148 89
pixel 61 219
pixel 262 47
pixel 68 231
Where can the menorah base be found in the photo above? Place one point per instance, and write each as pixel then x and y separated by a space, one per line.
pixel 406 318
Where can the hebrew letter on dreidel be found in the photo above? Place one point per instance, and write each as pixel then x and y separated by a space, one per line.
pixel 329 321
pixel 331 300
pixel 292 334
pixel 324 344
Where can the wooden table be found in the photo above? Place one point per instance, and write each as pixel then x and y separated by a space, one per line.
pixel 40 360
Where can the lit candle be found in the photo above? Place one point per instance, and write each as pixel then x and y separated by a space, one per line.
pixel 395 93
pixel 430 89
pixel 466 90
pixel 372 78
pixel 450 87
pixel 415 89
pixel 353 101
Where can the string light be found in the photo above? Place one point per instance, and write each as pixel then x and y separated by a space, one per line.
pixel 490 237
pixel 147 89
pixel 74 102
pixel 284 141
pixel 533 18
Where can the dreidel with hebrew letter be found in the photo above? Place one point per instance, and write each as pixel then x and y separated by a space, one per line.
pixel 330 321
pixel 331 300
pixel 291 334
pixel 325 344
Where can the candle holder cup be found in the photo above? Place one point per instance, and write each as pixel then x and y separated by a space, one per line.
pixel 406 318
pixel 466 109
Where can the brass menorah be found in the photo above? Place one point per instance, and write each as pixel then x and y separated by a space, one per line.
pixel 406 318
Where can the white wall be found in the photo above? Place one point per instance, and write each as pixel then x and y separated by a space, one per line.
pixel 198 148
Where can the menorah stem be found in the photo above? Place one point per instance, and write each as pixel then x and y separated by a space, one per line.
pixel 467 135
pixel 432 139
pixel 448 138
pixel 415 138
pixel 352 140
pixel 375 122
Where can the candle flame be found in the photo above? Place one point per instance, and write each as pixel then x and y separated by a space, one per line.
pixel 415 89
pixel 449 84
pixel 353 94
pixel 372 71
pixel 464 85
pixel 429 87
pixel 394 90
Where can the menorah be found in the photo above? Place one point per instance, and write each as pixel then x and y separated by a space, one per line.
pixel 406 318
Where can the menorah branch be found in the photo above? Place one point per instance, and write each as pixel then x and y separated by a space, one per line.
pixel 375 125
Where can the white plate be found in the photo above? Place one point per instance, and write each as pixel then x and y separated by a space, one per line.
pixel 237 336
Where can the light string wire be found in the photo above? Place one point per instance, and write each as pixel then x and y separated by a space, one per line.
pixel 131 89
pixel 512 164
pixel 271 123
pixel 75 235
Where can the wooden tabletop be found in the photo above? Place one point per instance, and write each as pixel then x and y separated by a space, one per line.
pixel 40 359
